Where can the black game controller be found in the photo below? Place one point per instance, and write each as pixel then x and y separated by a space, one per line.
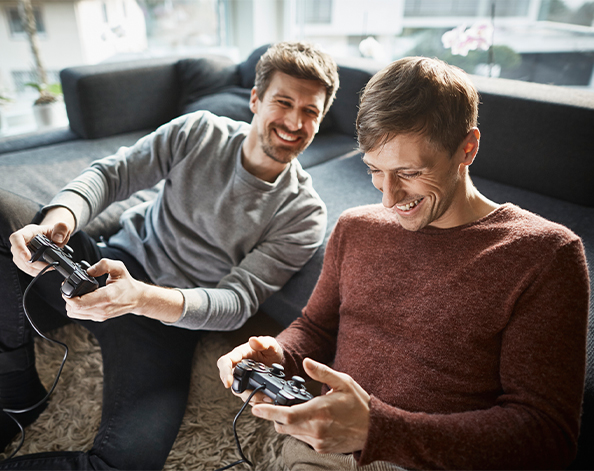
pixel 77 281
pixel 250 374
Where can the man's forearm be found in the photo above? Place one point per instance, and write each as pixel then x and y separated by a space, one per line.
pixel 163 304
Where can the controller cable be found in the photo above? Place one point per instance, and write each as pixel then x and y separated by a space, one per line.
pixel 9 412
pixel 243 458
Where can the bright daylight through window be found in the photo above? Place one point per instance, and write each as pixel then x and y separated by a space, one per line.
pixel 543 41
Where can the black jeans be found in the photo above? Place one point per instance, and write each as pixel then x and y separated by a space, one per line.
pixel 146 364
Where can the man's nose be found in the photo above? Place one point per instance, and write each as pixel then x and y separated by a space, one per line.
pixel 293 120
pixel 391 191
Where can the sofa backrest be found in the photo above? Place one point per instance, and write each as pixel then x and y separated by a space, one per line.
pixel 107 99
pixel 537 137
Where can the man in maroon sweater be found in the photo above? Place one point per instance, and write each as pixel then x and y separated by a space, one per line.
pixel 456 327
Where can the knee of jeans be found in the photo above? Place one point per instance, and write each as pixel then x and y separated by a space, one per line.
pixel 128 458
pixel 15 212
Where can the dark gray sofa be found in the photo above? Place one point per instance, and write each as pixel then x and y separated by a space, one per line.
pixel 537 150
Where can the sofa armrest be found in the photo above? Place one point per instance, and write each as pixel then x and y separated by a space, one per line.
pixel 107 99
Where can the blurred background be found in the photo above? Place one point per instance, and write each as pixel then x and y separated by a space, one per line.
pixel 544 41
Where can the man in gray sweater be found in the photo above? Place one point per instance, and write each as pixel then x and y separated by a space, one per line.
pixel 236 217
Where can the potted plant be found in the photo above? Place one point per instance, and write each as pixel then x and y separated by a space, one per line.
pixel 46 107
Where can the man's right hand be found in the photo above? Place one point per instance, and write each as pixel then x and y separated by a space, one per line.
pixel 57 225
pixel 263 349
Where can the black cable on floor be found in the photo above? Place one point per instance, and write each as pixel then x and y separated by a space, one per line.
pixel 9 412
pixel 243 458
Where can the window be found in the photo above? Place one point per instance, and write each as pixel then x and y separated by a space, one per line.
pixel 465 8
pixel 543 41
pixel 511 8
pixel 441 8
pixel 318 11
pixel 21 77
pixel 15 25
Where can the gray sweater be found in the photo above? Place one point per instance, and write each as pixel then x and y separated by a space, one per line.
pixel 226 239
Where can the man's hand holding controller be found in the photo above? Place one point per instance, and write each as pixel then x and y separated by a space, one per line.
pixel 337 422
pixel 122 294
pixel 57 225
pixel 263 349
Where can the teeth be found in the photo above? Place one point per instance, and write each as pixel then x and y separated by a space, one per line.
pixel 408 206
pixel 286 137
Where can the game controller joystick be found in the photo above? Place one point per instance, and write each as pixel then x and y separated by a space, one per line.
pixel 250 374
pixel 77 281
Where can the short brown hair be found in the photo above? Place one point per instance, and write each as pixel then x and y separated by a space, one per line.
pixel 300 60
pixel 417 95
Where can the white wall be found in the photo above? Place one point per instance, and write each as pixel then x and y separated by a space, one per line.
pixel 267 22
pixel 60 47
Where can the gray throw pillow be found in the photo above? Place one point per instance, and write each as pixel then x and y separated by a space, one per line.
pixel 232 102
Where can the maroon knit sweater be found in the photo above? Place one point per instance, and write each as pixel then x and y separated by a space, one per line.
pixel 470 340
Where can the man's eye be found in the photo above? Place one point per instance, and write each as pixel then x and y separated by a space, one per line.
pixel 410 175
pixel 372 171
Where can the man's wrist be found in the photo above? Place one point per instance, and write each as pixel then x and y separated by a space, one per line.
pixel 59 214
pixel 163 304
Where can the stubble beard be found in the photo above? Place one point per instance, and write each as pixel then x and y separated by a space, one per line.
pixel 279 153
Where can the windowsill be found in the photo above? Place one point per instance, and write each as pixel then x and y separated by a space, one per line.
pixel 17 118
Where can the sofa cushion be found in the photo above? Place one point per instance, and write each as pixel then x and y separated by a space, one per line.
pixel 342 184
pixel 343 113
pixel 327 145
pixel 232 102
pixel 537 137
pixel 113 98
pixel 247 69
pixel 199 77
pixel 40 173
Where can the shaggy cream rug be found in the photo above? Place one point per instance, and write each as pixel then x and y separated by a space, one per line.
pixel 205 441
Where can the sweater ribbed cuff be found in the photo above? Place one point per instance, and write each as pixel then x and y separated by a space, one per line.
pixel 196 305
pixel 75 203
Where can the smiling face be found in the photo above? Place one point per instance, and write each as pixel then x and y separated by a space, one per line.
pixel 288 116
pixel 421 183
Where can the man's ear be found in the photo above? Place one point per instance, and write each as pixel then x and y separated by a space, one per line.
pixel 254 101
pixel 470 146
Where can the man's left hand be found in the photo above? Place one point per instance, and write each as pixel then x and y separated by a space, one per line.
pixel 335 423
pixel 120 295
